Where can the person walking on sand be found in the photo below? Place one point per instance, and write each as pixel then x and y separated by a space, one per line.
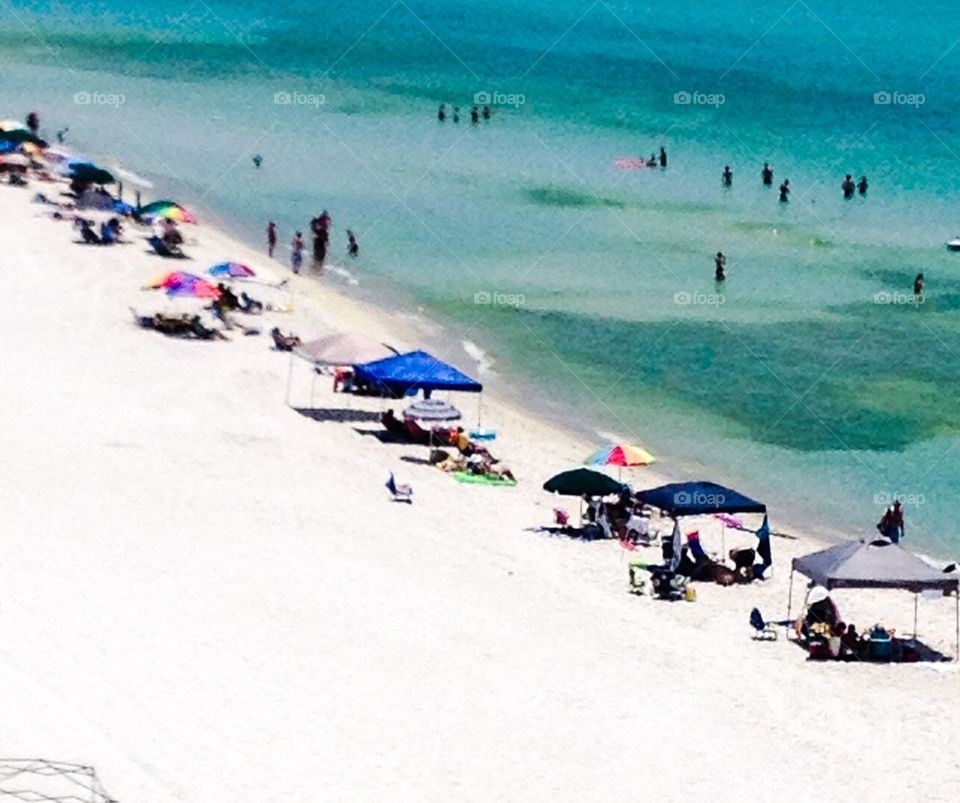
pixel 353 247
pixel 785 191
pixel 918 288
pixel 720 267
pixel 767 175
pixel 296 256
pixel 727 177
pixel 271 238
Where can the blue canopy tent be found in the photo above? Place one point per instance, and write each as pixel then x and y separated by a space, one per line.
pixel 701 497
pixel 408 373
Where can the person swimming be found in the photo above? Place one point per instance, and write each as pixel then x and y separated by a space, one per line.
pixel 727 176
pixel 257 160
pixel 652 161
pixel 720 266
pixel 785 191
pixel 862 185
pixel 442 112
pixel 848 186
pixel 767 174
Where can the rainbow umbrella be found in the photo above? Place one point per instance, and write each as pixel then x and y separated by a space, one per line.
pixel 622 455
pixel 232 270
pixel 180 283
pixel 169 210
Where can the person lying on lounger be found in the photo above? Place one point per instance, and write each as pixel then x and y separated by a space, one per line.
pixel 249 305
pixel 282 342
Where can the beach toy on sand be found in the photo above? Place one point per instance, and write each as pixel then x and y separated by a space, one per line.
pixel 483 434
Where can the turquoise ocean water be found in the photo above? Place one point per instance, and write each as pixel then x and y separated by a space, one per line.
pixel 811 378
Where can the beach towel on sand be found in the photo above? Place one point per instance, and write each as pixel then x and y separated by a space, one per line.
pixel 482 479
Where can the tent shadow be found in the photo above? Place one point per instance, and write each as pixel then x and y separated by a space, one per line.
pixel 381 435
pixel 925 655
pixel 338 415
pixel 417 461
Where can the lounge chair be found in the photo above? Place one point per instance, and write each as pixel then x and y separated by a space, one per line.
pixel 399 493
pixel 762 630
pixel 163 250
pixel 394 425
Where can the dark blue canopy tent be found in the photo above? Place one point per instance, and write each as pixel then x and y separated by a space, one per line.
pixel 700 497
pixel 408 373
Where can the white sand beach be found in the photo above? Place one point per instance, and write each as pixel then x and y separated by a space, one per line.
pixel 211 597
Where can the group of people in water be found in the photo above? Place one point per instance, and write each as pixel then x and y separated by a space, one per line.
pixel 476 113
pixel 320 228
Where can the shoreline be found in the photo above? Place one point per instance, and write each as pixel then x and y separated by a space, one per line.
pixel 220 570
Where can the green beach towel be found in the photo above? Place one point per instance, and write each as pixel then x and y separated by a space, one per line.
pixel 482 479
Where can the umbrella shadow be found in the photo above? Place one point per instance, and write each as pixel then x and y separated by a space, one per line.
pixel 573 533
pixel 417 461
pixel 381 435
pixel 337 414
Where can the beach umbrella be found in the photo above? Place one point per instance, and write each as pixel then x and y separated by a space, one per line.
pixel 167 209
pixel 433 410
pixel 582 482
pixel 22 135
pixel 621 454
pixel 345 349
pixel 180 283
pixel 91 174
pixel 231 270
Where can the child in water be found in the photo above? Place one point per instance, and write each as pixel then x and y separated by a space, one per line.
pixel 296 258
pixel 353 248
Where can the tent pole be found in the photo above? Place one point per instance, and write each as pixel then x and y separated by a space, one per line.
pixel 313 384
pixel 723 539
pixel 289 378
pixel 916 598
pixel 790 600
pixel 956 595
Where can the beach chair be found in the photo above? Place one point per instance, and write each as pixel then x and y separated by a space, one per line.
pixel 762 630
pixel 399 493
pixel 161 249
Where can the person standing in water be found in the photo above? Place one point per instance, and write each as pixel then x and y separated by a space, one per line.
pixel 486 112
pixel 271 238
pixel 862 185
pixel 767 175
pixel 442 112
pixel 475 115
pixel 257 161
pixel 848 187
pixel 456 114
pixel 353 247
pixel 720 266
pixel 918 288
pixel 785 191
pixel 296 256
pixel 663 156
pixel 727 176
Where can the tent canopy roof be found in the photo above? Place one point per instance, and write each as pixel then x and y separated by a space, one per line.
pixel 695 498
pixel 871 564
pixel 413 371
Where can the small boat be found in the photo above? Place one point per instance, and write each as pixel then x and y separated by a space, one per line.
pixel 954 244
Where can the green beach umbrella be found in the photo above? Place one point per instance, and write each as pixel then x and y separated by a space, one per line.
pixel 583 482
pixel 91 174
pixel 22 135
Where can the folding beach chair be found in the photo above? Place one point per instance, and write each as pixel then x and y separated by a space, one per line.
pixel 762 630
pixel 399 493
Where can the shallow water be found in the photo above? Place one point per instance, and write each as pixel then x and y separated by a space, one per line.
pixel 810 377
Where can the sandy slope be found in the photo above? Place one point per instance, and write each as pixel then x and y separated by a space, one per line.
pixel 210 598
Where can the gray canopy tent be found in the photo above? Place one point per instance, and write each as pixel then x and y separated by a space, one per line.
pixel 875 564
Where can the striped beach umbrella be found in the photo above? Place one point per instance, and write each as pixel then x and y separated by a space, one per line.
pixel 624 455
pixel 232 270
pixel 434 410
